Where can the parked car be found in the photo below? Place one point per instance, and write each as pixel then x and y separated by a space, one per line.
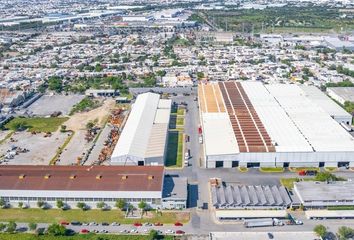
pixel 158 224
pixel 105 224
pixel 64 223
pixel 115 224
pixel 84 231
pixel 169 231
pixel 178 224
pixel 147 224
pixel 180 232
pixel 138 224
pixel 76 223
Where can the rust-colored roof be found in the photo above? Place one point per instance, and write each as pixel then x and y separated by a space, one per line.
pixel 81 178
pixel 250 133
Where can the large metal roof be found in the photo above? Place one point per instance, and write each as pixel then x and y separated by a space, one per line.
pixel 282 130
pixel 325 192
pixel 219 137
pixel 144 134
pixel 321 131
pixel 319 98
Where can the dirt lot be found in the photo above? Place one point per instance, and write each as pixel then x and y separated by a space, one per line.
pixel 79 120
pixel 41 149
pixel 78 146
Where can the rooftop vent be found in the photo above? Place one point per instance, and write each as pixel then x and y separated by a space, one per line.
pixel 47 176
pixel 72 176
pixel 150 177
pixel 98 177
pixel 124 177
pixel 22 176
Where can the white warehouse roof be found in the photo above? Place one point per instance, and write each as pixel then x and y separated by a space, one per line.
pixel 319 98
pixel 323 133
pixel 278 124
pixel 218 129
pixel 145 131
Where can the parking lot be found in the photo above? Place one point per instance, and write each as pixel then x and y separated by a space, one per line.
pixel 48 104
pixel 28 148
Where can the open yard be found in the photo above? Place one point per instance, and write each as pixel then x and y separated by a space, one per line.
pixel 48 104
pixel 41 149
pixel 56 215
pixel 174 149
pixel 36 124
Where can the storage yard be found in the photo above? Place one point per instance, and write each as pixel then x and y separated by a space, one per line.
pixel 249 124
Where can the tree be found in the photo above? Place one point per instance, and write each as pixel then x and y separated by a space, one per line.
pixel 56 230
pixel 345 233
pixel 40 204
pixel 142 205
pixel 2 203
pixel 60 204
pixel 320 230
pixel 153 234
pixel 32 226
pixel 100 205
pixel 98 68
pixel 200 75
pixel 63 128
pixel 20 204
pixel 55 84
pixel 11 227
pixel 20 125
pixel 326 176
pixel 2 227
pixel 81 205
pixel 90 125
pixel 121 203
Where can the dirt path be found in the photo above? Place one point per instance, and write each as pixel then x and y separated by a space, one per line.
pixel 79 120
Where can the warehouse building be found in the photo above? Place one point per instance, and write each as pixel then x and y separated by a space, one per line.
pixel 327 104
pixel 250 197
pixel 325 194
pixel 72 184
pixel 280 125
pixel 87 184
pixel 341 94
pixel 263 235
pixel 174 195
pixel 143 140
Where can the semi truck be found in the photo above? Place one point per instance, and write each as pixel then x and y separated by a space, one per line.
pixel 262 222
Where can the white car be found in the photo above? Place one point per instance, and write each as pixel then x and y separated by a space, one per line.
pixel 134 230
pixel 115 224
pixel 169 231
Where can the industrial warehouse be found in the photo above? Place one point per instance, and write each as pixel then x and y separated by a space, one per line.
pixel 250 124
pixel 143 139
pixel 325 194
pixel 88 184
pixel 250 197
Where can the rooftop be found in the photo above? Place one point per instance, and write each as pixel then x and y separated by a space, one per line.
pixel 144 134
pixel 174 187
pixel 322 191
pixel 81 178
pixel 347 93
